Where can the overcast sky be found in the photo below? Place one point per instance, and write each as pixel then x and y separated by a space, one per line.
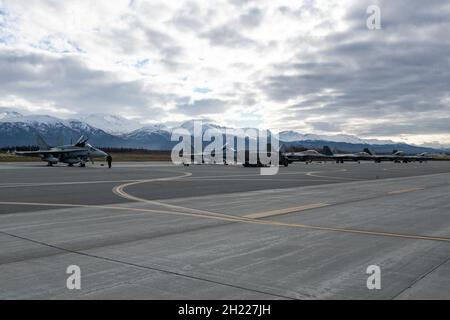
pixel 311 66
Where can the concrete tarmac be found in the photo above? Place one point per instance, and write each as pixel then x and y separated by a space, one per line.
pixel 158 231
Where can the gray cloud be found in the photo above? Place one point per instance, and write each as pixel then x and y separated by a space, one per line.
pixel 68 83
pixel 252 18
pixel 325 126
pixel 228 37
pixel 411 126
pixel 240 3
pixel 158 44
pixel 322 79
pixel 308 7
pixel 204 106
pixel 192 18
pixel 393 73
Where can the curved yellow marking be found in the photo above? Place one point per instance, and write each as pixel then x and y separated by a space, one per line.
pixel 119 190
pixel 179 210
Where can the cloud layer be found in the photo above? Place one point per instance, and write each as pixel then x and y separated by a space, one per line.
pixel 305 65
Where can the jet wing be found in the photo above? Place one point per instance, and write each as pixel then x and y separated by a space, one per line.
pixel 28 153
pixel 352 157
pixel 44 152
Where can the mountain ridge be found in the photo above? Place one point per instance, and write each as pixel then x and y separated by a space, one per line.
pixel 116 131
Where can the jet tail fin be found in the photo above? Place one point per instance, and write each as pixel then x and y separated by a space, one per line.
pixel 41 143
pixel 81 141
pixel 327 151
pixel 368 151
pixel 398 153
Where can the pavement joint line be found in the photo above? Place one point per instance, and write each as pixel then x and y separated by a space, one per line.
pixel 420 278
pixel 136 265
pixel 264 214
pixel 17 185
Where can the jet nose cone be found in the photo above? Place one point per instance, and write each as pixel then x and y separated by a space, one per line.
pixel 99 153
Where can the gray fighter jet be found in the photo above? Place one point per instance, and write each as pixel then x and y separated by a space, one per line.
pixel 341 158
pixel 307 156
pixel 80 152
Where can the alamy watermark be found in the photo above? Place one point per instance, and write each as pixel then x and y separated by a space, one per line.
pixel 250 147
pixel 73 282
pixel 373 21
pixel 374 280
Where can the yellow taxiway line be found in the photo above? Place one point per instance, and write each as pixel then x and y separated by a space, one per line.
pixel 231 218
pixel 254 217
pixel 265 214
pixel 405 190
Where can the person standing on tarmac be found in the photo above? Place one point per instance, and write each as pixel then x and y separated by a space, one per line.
pixel 109 160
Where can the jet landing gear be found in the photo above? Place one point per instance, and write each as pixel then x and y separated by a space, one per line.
pixel 81 164
pixel 49 164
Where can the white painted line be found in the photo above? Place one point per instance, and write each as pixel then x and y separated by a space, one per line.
pixel 16 185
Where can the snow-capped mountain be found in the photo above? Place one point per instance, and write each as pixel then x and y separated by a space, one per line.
pixel 112 124
pixel 6 114
pixel 189 126
pixel 36 120
pixel 17 130
pixel 378 142
pixel 154 137
pixel 154 128
pixel 291 136
pixel 115 131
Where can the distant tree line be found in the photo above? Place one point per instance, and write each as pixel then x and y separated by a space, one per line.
pixel 133 150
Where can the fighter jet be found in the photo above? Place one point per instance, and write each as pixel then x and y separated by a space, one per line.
pixel 421 157
pixel 80 152
pixel 400 157
pixel 341 158
pixel 203 157
pixel 252 159
pixel 307 156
